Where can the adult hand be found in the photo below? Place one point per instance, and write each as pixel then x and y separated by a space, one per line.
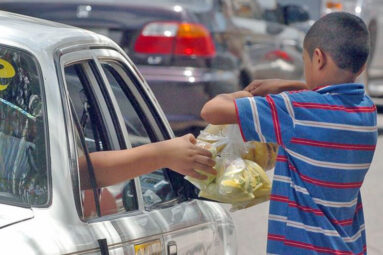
pixel 273 86
pixel 183 156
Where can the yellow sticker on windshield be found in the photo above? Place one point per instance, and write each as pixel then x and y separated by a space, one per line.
pixel 7 72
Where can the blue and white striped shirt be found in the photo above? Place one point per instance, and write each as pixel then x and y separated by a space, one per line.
pixel 327 139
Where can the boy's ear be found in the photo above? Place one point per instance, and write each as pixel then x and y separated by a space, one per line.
pixel 319 58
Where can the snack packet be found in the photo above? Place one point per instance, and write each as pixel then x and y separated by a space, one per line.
pixel 241 180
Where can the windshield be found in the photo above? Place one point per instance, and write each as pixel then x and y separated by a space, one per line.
pixel 23 171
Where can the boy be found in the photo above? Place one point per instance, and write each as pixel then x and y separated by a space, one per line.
pixel 327 136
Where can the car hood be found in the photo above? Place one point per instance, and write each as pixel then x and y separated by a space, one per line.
pixel 10 215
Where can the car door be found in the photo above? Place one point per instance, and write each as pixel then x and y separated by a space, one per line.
pixel 187 227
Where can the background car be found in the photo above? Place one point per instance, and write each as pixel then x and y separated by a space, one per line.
pixel 182 52
pixel 279 53
pixel 66 92
pixel 188 51
pixel 299 14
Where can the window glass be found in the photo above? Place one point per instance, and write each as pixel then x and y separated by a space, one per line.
pixel 155 186
pixel 109 198
pixel 23 161
pixel 85 108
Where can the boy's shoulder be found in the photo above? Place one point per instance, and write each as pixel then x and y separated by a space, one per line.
pixel 302 95
pixel 297 93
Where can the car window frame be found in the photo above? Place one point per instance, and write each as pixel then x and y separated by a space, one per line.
pixel 184 190
pixel 43 95
pixel 144 116
pixel 67 59
pixel 155 122
pixel 155 117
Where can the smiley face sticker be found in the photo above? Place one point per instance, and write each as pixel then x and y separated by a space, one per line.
pixel 7 72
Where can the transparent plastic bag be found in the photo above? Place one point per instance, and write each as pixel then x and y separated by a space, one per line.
pixel 202 184
pixel 240 181
pixel 264 154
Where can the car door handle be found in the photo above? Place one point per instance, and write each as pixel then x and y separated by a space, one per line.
pixel 172 248
pixel 103 246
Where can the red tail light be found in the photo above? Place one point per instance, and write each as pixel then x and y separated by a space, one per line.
pixel 275 54
pixel 184 39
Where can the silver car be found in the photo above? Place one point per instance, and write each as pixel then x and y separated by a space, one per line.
pixel 65 93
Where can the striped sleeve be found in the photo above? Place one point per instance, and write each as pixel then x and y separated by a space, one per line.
pixel 266 119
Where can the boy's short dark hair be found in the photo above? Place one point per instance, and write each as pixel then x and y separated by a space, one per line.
pixel 343 36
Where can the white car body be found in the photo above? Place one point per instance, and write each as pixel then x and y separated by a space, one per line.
pixel 180 225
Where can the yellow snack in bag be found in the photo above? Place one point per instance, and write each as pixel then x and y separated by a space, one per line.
pixel 241 179
pixel 265 154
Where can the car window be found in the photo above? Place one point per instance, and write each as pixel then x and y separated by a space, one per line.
pixel 88 114
pixel 23 160
pixel 155 186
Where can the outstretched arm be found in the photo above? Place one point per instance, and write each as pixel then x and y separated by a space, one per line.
pixel 221 109
pixel 179 154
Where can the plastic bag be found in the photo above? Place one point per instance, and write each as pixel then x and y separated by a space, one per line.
pixel 241 180
pixel 202 184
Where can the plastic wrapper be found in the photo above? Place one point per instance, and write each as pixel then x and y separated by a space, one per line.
pixel 241 179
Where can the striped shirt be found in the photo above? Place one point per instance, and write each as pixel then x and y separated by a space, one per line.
pixel 327 139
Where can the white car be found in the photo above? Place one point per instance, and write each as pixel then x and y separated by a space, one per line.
pixel 65 92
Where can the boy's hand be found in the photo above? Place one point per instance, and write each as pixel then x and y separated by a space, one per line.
pixel 273 86
pixel 183 156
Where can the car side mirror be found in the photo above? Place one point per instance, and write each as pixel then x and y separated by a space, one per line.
pixel 295 13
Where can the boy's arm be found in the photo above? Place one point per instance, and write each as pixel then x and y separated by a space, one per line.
pixel 265 119
pixel 221 109
pixel 179 154
pixel 273 86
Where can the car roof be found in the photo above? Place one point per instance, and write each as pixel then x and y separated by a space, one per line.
pixel 192 5
pixel 38 35
pixel 118 15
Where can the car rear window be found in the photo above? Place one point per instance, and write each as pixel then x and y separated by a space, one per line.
pixel 23 161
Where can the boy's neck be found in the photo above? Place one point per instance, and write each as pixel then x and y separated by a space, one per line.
pixel 336 77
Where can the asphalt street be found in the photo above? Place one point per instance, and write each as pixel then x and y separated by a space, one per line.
pixel 251 223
